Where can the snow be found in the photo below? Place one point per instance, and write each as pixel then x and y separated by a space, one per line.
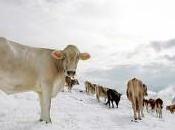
pixel 168 94
pixel 75 111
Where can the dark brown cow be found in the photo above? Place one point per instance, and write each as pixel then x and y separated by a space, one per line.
pixel 113 96
pixel 151 104
pixel 159 107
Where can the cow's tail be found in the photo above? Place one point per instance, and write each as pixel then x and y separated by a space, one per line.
pixel 134 97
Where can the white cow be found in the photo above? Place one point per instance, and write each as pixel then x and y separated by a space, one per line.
pixel 41 70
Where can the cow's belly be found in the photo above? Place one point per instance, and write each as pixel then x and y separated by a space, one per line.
pixel 16 82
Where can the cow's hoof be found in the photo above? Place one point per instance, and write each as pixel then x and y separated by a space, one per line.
pixel 139 119
pixel 46 121
pixel 41 120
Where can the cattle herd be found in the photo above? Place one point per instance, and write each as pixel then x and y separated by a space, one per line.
pixel 136 92
pixel 47 71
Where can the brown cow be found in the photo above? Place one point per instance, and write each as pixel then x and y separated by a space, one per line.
pixel 101 92
pixel 151 104
pixel 70 82
pixel 159 107
pixel 135 93
pixel 90 88
pixel 171 108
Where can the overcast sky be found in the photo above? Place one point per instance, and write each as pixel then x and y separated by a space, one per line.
pixel 125 38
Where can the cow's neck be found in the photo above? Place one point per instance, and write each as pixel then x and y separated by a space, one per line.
pixel 59 66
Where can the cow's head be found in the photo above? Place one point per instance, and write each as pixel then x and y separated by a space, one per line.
pixel 70 57
pixel 145 90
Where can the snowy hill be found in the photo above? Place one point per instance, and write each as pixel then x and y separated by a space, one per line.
pixel 75 111
pixel 168 94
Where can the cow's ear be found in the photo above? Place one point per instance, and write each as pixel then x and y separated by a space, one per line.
pixel 57 54
pixel 84 56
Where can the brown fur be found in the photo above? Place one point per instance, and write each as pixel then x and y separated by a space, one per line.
pixel 159 107
pixel 151 103
pixel 171 108
pixel 69 82
pixel 101 92
pixel 90 88
pixel 135 93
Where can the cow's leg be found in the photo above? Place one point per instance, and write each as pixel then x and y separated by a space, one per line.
pixel 112 104
pixel 139 113
pixel 134 110
pixel 147 107
pixel 97 96
pixel 86 88
pixel 141 109
pixel 41 105
pixel 116 102
pixel 69 88
pixel 46 95
pixel 109 104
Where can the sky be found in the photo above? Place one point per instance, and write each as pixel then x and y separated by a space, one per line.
pixel 126 38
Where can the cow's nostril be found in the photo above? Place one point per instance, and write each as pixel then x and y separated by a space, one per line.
pixel 73 72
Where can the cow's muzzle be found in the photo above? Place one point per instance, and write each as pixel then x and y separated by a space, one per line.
pixel 71 73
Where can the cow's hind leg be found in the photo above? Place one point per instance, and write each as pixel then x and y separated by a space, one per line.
pixel 112 103
pixel 116 102
pixel 141 109
pixel 108 102
pixel 134 110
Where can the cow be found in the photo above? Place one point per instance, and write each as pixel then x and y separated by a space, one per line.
pixel 70 82
pixel 24 68
pixel 90 88
pixel 159 107
pixel 171 108
pixel 135 94
pixel 151 104
pixel 101 92
pixel 113 95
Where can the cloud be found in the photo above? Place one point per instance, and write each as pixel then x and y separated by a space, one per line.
pixel 161 45
pixel 156 76
pixel 111 31
pixel 170 58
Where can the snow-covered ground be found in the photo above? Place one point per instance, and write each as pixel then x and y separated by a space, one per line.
pixel 75 111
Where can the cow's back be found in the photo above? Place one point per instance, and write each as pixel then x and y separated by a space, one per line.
pixel 134 89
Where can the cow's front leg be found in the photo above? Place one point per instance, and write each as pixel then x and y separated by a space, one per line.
pixel 46 105
pixel 41 105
